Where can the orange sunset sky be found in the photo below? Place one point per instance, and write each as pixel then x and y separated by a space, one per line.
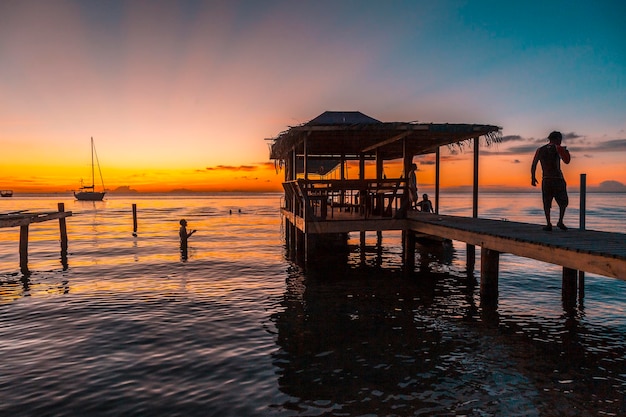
pixel 181 95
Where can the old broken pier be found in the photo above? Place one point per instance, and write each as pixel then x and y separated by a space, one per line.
pixel 317 206
pixel 23 220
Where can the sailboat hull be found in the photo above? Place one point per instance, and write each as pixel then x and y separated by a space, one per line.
pixel 89 196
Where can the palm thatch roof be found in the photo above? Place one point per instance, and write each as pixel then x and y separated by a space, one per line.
pixel 353 134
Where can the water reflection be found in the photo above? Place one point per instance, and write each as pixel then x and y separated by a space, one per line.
pixel 341 342
pixel 356 338
pixel 359 339
pixel 14 287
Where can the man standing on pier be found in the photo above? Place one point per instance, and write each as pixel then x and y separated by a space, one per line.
pixel 553 184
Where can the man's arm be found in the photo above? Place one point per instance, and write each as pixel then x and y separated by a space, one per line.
pixel 563 153
pixel 533 168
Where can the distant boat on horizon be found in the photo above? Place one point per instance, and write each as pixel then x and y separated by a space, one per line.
pixel 6 193
pixel 88 192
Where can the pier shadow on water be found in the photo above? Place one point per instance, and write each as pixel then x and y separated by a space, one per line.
pixel 357 338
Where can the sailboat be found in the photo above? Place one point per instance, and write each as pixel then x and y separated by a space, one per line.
pixel 88 192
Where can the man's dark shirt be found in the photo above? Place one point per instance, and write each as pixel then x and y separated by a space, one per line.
pixel 550 161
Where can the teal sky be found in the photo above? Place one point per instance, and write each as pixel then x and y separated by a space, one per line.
pixel 202 83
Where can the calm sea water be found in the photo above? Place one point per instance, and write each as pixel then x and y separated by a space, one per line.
pixel 131 329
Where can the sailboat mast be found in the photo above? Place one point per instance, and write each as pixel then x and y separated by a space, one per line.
pixel 93 177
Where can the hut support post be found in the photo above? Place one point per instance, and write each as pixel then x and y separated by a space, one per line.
pixel 489 269
pixel 471 249
pixel 569 288
pixel 300 246
pixel 437 178
pixel 379 166
pixel 287 234
pixel 582 224
pixel 24 249
pixel 475 186
pixel 342 196
pixel 362 166
pixel 292 239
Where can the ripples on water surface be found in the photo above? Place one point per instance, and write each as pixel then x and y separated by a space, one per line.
pixel 129 329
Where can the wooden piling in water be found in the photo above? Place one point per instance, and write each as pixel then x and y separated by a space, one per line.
pixel 569 289
pixel 409 250
pixel 24 250
pixel 489 270
pixel 134 219
pixel 470 255
pixel 362 245
pixel 62 228
pixel 63 235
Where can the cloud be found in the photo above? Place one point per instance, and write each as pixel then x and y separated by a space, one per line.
pixel 615 145
pixel 611 186
pixel 512 138
pixel 576 143
pixel 427 162
pixel 232 168
pixel 571 135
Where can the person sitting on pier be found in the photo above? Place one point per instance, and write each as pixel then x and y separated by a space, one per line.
pixel 425 205
pixel 553 184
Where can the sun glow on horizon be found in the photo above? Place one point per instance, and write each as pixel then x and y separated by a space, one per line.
pixel 180 95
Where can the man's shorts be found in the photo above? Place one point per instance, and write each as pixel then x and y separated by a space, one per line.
pixel 554 188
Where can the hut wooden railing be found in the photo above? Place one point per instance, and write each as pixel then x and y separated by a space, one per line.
pixel 318 199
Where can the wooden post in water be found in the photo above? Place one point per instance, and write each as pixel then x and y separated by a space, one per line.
pixel 24 250
pixel 293 240
pixel 489 269
pixel 301 246
pixel 63 235
pixel 362 246
pixel 582 225
pixel 134 219
pixel 287 233
pixel 62 227
pixel 569 288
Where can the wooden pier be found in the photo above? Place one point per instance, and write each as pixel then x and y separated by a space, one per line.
pixel 602 253
pixel 318 206
pixel 23 219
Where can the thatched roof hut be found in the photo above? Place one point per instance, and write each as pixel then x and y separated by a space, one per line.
pixel 354 135
pixel 332 139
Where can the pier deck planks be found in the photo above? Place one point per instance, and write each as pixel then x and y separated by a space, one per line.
pixel 602 253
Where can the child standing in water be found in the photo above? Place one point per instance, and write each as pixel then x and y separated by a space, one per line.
pixel 184 235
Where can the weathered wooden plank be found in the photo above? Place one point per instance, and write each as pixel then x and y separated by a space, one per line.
pixel 545 249
pixel 26 219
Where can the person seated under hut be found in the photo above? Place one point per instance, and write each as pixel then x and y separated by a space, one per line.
pixel 425 205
